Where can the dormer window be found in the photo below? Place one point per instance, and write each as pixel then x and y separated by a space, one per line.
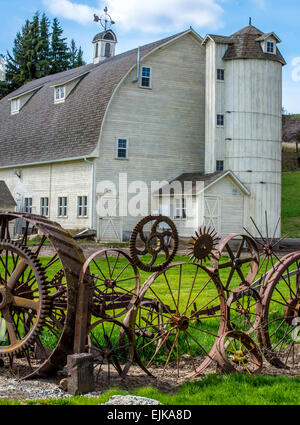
pixel 15 106
pixel 270 47
pixel 59 94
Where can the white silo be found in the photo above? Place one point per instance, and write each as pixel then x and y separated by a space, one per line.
pixel 253 102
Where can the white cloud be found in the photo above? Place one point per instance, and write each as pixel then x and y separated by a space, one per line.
pixel 260 3
pixel 155 16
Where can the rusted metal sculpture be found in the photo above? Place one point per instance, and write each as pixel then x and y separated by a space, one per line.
pixel 156 234
pixel 184 316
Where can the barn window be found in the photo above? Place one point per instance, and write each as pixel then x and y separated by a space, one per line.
pixel 122 149
pixel 107 50
pixel 15 106
pixel 146 77
pixel 220 74
pixel 62 206
pixel 97 50
pixel 28 205
pixel 179 208
pixel 60 94
pixel 82 206
pixel 45 207
pixel 270 47
pixel 220 120
pixel 220 165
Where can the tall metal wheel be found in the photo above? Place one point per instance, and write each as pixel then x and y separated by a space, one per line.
pixel 236 261
pixel 114 282
pixel 112 346
pixel 176 331
pixel 279 331
pixel 23 299
pixel 60 271
pixel 237 352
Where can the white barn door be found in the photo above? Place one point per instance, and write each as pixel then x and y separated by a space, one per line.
pixel 212 213
pixel 110 227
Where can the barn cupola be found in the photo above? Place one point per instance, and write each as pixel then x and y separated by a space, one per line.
pixel 104 42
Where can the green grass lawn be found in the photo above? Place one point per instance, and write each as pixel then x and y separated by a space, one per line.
pixel 211 390
pixel 291 204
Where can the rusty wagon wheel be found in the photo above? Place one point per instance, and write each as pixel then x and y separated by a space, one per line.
pixel 23 298
pixel 60 270
pixel 114 282
pixel 237 352
pixel 112 346
pixel 279 331
pixel 179 335
pixel 156 235
pixel 241 266
pixel 244 310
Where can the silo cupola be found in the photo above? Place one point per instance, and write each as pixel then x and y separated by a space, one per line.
pixel 104 42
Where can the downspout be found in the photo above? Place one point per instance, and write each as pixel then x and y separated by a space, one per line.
pixel 138 62
pixel 93 191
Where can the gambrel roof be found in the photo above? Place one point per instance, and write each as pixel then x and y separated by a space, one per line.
pixel 44 132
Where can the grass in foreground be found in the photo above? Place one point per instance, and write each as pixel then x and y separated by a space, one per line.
pixel 211 390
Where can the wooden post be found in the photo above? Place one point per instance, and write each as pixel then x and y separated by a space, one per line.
pixel 80 373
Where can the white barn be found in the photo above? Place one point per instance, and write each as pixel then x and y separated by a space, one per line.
pixel 180 109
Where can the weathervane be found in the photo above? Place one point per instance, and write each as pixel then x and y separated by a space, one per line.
pixel 105 20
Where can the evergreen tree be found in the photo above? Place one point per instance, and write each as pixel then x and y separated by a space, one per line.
pixel 44 51
pixel 76 56
pixel 59 53
pixel 36 53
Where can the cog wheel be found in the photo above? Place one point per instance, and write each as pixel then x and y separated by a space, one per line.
pixel 202 246
pixel 23 298
pixel 157 234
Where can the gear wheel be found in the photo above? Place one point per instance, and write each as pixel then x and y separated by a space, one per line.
pixel 23 298
pixel 160 239
pixel 201 246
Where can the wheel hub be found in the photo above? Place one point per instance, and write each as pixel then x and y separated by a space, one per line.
pixel 110 283
pixel 179 322
pixel 292 310
pixel 5 297
pixel 239 357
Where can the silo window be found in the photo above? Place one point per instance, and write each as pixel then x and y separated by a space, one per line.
pixel 220 74
pixel 220 120
pixel 270 47
pixel 220 165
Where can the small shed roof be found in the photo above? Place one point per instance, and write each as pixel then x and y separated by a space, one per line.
pixel 6 198
pixel 207 179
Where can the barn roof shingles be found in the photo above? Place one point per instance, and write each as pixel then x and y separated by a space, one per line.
pixel 6 198
pixel 44 131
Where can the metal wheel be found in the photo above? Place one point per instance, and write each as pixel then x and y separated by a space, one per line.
pixel 244 310
pixel 23 298
pixel 279 331
pixel 237 352
pixel 176 332
pixel 61 271
pixel 155 234
pixel 114 282
pixel 241 265
pixel 112 346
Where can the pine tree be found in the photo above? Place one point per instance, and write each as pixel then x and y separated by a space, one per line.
pixel 59 52
pixel 44 52
pixel 36 54
pixel 76 56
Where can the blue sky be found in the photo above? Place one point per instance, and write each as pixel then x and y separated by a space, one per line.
pixel 139 22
